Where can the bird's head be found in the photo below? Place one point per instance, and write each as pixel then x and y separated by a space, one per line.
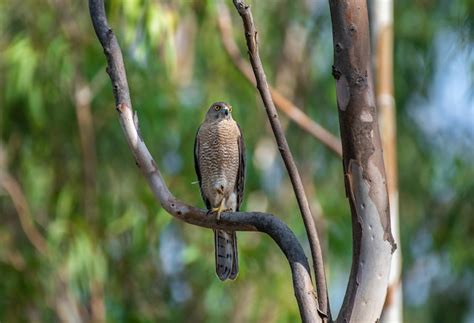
pixel 219 111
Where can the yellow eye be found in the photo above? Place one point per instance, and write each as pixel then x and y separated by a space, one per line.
pixel 230 108
pixel 217 107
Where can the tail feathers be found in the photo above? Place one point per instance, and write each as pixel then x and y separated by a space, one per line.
pixel 227 264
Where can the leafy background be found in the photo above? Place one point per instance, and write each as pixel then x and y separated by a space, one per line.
pixel 110 250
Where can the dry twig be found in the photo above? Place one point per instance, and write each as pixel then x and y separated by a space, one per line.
pixel 262 86
pixel 282 103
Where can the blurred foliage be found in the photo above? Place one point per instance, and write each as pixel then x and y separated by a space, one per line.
pixel 113 252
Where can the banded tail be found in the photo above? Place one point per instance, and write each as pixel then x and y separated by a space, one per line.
pixel 227 262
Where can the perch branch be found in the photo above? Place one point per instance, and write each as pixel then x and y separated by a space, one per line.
pixel 364 171
pixel 262 86
pixel 282 103
pixel 235 221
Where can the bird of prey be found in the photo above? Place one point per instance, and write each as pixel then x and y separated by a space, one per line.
pixel 219 159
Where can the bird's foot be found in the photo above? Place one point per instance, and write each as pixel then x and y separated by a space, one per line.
pixel 214 210
pixel 217 211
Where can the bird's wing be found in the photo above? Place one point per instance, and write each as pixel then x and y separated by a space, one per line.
pixel 240 182
pixel 197 168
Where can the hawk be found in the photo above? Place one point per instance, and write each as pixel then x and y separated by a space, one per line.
pixel 219 160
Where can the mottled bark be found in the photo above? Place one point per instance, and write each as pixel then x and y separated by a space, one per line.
pixel 363 165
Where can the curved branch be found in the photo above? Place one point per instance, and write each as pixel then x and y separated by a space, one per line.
pixel 13 188
pixel 262 86
pixel 282 103
pixel 235 221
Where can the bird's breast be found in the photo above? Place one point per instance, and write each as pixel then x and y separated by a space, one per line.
pixel 218 157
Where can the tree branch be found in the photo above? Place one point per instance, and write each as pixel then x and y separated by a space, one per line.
pixel 364 171
pixel 282 103
pixel 262 86
pixel 13 188
pixel 234 221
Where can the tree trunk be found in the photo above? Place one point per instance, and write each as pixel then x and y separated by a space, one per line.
pixel 383 39
pixel 363 165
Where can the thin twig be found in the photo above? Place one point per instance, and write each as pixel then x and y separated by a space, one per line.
pixel 13 189
pixel 282 103
pixel 232 221
pixel 262 86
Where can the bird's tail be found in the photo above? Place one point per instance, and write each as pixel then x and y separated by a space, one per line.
pixel 227 263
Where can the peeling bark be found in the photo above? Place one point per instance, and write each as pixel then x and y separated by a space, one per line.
pixel 363 165
pixel 383 39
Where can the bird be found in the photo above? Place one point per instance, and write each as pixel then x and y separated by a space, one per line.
pixel 219 160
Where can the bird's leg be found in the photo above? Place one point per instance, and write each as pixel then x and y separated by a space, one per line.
pixel 219 210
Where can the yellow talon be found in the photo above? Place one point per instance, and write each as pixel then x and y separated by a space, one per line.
pixel 219 210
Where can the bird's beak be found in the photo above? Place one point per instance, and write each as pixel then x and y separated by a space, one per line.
pixel 225 111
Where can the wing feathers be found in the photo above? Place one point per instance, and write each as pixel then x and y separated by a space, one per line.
pixel 240 182
pixel 197 145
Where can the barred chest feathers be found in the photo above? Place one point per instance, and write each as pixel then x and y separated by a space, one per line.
pixel 219 159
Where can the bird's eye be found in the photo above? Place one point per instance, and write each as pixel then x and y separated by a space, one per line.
pixel 217 107
pixel 230 108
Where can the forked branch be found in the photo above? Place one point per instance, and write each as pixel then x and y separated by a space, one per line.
pixel 263 88
pixel 235 221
